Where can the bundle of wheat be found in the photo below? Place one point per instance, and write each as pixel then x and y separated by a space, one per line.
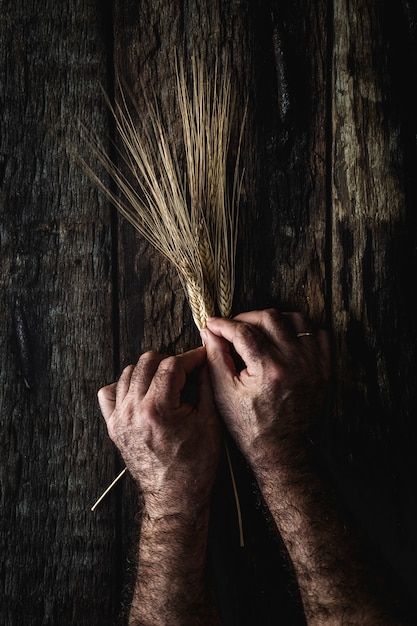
pixel 192 220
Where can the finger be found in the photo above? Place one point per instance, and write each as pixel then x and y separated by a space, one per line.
pixel 221 363
pixel 223 373
pixel 143 373
pixel 251 344
pixel 272 323
pixel 169 380
pixel 192 359
pixel 282 328
pixel 107 400
pixel 301 324
pixel 205 393
pixel 123 383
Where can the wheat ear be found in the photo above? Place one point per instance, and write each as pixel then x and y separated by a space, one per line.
pixel 153 197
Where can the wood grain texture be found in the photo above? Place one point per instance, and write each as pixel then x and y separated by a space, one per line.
pixel 328 226
pixel 58 561
pixel 373 258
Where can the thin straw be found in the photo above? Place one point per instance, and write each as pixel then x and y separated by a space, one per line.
pixel 237 501
pixel 104 494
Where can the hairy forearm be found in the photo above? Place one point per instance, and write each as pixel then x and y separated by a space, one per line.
pixel 339 582
pixel 171 579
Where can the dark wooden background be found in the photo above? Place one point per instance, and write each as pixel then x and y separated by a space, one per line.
pixel 328 227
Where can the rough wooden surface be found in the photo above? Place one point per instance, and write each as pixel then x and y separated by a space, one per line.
pixel 58 561
pixel 328 226
pixel 373 259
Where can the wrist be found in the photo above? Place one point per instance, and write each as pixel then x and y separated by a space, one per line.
pixel 189 518
pixel 174 542
pixel 171 578
pixel 288 474
pixel 283 455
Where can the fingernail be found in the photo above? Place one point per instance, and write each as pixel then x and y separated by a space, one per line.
pixel 204 335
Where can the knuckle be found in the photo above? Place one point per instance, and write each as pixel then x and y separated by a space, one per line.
pixel 254 340
pixel 146 365
pixel 301 317
pixel 149 355
pixel 244 332
pixel 272 320
pixel 271 313
pixel 126 372
pixel 271 317
pixel 168 366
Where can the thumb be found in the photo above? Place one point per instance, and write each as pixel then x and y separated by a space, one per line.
pixel 221 365
pixel 107 400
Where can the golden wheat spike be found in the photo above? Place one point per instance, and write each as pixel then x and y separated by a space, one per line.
pixel 191 220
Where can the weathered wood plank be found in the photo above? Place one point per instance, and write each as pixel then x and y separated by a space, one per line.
pixel 350 264
pixel 287 210
pixel 59 561
pixel 373 257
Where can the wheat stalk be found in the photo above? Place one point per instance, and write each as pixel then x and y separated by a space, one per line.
pixel 192 220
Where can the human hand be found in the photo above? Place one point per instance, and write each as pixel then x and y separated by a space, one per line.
pixel 269 406
pixel 170 448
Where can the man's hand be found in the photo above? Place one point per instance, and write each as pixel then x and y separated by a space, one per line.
pixel 271 404
pixel 270 407
pixel 171 449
